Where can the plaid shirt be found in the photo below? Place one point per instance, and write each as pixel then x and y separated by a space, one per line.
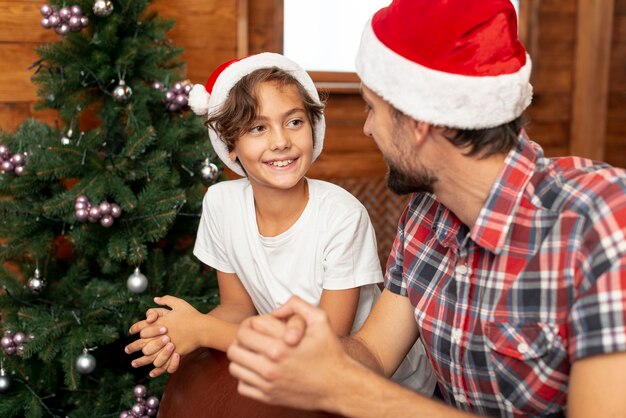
pixel 539 281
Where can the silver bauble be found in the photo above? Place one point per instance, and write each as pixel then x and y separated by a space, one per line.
pixel 85 363
pixel 36 284
pixel 103 8
pixel 5 382
pixel 209 171
pixel 137 282
pixel 122 92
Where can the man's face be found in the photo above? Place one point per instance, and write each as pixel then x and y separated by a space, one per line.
pixel 394 137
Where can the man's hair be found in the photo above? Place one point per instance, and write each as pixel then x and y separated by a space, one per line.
pixel 241 106
pixel 482 142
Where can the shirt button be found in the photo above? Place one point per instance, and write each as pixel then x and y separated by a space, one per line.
pixel 522 348
pixel 456 336
pixel 461 270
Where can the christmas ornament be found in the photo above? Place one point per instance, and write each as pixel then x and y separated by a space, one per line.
pixel 12 162
pixel 63 21
pixel 105 212
pixel 14 344
pixel 5 381
pixel 103 8
pixel 209 171
pixel 177 96
pixel 137 282
pixel 36 284
pixel 122 93
pixel 85 363
pixel 143 407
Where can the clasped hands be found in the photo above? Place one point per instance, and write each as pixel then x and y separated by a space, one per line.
pixel 165 335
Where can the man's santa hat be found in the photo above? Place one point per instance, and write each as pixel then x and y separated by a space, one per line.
pixel 208 99
pixel 454 63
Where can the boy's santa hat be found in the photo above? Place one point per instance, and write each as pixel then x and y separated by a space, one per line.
pixel 208 99
pixel 453 63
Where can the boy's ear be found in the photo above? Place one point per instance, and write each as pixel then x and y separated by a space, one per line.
pixel 232 155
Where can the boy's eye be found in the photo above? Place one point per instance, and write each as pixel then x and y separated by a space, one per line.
pixel 256 129
pixel 295 122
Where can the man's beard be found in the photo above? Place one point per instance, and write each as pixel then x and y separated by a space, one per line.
pixel 401 182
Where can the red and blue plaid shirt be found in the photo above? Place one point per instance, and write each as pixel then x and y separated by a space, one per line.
pixel 506 307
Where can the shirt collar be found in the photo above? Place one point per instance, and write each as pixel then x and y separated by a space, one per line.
pixel 496 216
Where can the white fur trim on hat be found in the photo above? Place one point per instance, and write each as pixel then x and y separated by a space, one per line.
pixel 441 98
pixel 199 100
pixel 234 72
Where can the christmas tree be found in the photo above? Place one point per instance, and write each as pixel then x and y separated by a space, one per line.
pixel 99 212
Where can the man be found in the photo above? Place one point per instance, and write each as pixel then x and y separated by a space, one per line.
pixel 509 265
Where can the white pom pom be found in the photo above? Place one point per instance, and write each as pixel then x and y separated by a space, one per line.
pixel 199 100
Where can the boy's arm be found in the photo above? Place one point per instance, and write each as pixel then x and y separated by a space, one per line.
pixel 340 306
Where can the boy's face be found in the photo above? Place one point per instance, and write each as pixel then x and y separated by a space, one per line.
pixel 277 149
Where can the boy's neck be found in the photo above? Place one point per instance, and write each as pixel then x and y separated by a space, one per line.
pixel 278 209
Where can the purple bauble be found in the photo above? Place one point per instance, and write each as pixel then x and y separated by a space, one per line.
pixel 82 198
pixel 46 10
pixel 63 29
pixel 106 221
pixel 74 24
pixel 81 205
pixel 64 14
pixel 105 208
pixel 76 10
pixel 173 107
pixel 170 96
pixel 4 151
pixel 18 159
pixel 19 170
pixel 19 350
pixel 94 212
pixel 82 215
pixel 19 338
pixel 140 391
pixel 54 20
pixel 45 23
pixel 188 88
pixel 178 87
pixel 125 414
pixel 138 409
pixel 84 20
pixel 10 350
pixel 116 211
pixel 7 341
pixel 181 100
pixel 151 412
pixel 157 85
pixel 152 402
pixel 6 166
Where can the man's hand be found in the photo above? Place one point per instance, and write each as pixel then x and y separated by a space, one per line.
pixel 293 363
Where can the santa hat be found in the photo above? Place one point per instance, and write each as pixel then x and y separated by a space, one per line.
pixel 209 98
pixel 454 63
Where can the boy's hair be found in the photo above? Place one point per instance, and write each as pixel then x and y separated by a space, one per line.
pixel 241 106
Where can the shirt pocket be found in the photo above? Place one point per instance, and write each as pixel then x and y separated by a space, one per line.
pixel 530 366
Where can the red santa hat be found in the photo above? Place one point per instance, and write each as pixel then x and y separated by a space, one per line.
pixel 208 99
pixel 454 63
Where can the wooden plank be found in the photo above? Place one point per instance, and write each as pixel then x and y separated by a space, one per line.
pixel 20 22
pixel 549 134
pixel 13 114
pixel 348 166
pixel 550 107
pixel 593 55
pixel 15 59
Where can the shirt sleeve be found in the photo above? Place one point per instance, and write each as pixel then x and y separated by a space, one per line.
pixel 598 317
pixel 393 276
pixel 351 256
pixel 209 246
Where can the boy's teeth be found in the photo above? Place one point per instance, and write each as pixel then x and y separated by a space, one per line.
pixel 281 163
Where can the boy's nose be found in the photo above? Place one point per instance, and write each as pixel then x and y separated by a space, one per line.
pixel 279 140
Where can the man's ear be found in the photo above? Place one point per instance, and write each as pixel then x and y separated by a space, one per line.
pixel 421 130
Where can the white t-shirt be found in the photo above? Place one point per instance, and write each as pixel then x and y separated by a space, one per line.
pixel 331 246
